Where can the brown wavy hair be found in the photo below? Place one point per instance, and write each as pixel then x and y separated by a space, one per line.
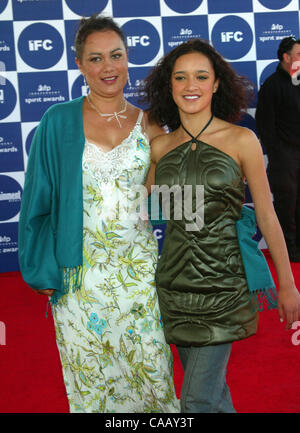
pixel 233 95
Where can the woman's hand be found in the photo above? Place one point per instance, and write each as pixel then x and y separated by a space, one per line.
pixel 48 292
pixel 289 305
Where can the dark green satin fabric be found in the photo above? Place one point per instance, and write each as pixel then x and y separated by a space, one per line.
pixel 201 284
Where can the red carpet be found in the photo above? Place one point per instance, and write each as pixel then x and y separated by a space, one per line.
pixel 263 373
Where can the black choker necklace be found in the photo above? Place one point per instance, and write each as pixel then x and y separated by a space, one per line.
pixel 195 139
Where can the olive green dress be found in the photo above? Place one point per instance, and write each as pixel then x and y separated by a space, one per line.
pixel 201 283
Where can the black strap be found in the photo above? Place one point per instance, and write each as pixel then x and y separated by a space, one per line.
pixel 194 139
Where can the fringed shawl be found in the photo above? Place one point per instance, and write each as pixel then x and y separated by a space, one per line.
pixel 260 282
pixel 51 216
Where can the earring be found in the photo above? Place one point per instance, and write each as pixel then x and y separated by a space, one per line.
pixel 85 88
pixel 128 80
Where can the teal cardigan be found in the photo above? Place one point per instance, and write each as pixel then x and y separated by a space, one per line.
pixel 51 216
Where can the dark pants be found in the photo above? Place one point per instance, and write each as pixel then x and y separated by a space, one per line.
pixel 284 179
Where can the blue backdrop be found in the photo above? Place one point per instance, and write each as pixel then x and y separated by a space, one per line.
pixel 37 67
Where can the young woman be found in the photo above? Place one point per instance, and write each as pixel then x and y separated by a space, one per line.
pixel 201 283
pixel 80 245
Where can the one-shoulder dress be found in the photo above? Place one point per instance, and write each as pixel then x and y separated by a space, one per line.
pixel 109 333
pixel 201 283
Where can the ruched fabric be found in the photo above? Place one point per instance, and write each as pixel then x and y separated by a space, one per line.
pixel 201 283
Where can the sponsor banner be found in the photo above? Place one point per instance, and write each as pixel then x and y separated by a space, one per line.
pixel 71 28
pixel 177 30
pixel 184 7
pixel 135 8
pixel 275 5
pixel 11 150
pixel 143 40
pixel 9 107
pixel 38 69
pixel 271 28
pixel 134 87
pixel 28 130
pixel 9 247
pixel 229 6
pixel 78 87
pixel 10 197
pixel 159 233
pixel 7 47
pixel 40 90
pixel 37 10
pixel 40 46
pixel 265 68
pixel 248 69
pixel 85 8
pixel 232 36
pixel 3 6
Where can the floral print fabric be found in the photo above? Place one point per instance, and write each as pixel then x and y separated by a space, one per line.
pixel 109 333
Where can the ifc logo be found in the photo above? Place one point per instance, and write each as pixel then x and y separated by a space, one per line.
pixel 40 46
pixel 143 41
pixel 232 37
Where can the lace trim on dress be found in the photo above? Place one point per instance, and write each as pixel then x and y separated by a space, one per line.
pixel 107 166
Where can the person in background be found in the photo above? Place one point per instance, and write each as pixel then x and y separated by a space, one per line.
pixel 201 282
pixel 278 127
pixel 81 244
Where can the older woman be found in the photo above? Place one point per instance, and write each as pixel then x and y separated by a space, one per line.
pixel 81 243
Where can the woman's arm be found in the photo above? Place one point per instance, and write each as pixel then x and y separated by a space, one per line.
pixel 253 167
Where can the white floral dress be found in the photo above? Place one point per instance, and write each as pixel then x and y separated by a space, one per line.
pixel 109 333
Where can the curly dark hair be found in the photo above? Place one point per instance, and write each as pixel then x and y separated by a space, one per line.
pixel 95 23
pixel 233 94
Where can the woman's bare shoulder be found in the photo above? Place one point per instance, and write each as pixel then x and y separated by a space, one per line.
pixel 246 138
pixel 246 144
pixel 240 136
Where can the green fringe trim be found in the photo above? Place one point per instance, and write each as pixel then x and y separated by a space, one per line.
pixel 72 280
pixel 264 299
